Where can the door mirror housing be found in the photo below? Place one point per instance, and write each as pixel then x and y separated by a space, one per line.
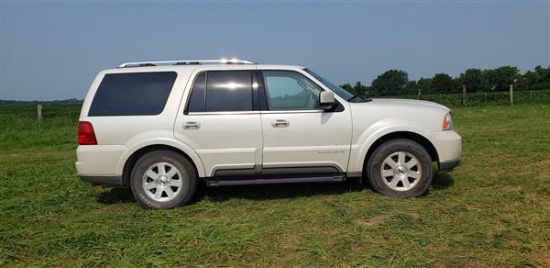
pixel 326 100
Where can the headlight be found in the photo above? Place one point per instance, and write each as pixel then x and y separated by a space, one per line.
pixel 447 122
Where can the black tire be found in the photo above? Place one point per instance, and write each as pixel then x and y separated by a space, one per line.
pixel 163 180
pixel 412 170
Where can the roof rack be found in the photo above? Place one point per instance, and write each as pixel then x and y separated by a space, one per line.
pixel 184 62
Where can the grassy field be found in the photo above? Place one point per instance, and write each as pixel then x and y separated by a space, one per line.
pixel 492 211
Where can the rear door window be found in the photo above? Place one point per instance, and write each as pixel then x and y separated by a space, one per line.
pixel 222 91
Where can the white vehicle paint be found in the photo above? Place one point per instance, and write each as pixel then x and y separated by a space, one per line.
pixel 160 126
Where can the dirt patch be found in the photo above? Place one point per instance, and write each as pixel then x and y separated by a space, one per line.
pixel 543 166
pixel 536 170
pixel 470 264
pixel 439 246
pixel 376 220
pixel 539 199
pixel 541 258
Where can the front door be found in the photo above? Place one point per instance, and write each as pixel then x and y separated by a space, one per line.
pixel 298 136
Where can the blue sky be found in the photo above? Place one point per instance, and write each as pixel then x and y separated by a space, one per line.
pixel 53 49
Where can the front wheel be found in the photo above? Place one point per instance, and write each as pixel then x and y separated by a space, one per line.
pixel 163 179
pixel 400 168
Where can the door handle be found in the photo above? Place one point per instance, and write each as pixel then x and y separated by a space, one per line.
pixel 279 123
pixel 191 125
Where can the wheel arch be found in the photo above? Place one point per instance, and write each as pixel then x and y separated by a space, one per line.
pixel 134 157
pixel 423 141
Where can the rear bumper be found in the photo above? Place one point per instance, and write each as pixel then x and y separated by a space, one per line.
pixel 448 166
pixel 103 180
pixel 98 164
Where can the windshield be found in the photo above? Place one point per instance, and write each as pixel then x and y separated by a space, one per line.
pixel 336 89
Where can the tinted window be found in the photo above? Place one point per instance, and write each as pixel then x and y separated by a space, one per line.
pixel 132 94
pixel 228 91
pixel 290 91
pixel 196 101
pixel 221 91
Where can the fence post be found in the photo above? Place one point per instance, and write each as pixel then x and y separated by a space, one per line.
pixel 512 94
pixel 39 112
pixel 464 94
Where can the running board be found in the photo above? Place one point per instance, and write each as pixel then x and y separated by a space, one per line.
pixel 217 183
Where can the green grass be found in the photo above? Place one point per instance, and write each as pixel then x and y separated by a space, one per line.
pixel 492 211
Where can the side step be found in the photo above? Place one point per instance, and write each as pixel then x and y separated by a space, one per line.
pixel 217 182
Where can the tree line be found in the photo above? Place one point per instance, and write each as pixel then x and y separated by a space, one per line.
pixel 396 82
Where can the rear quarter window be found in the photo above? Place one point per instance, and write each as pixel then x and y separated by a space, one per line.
pixel 126 94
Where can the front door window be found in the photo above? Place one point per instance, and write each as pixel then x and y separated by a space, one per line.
pixel 288 90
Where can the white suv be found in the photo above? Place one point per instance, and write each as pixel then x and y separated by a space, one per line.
pixel 160 127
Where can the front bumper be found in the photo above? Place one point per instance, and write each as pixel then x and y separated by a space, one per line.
pixel 448 166
pixel 448 145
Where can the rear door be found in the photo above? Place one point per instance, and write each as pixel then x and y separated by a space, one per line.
pixel 221 121
pixel 298 136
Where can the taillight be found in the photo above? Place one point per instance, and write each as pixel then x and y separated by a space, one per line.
pixel 86 134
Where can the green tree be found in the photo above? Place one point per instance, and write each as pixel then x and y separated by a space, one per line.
pixel 442 83
pixel 529 81
pixel 347 87
pixel 544 77
pixel 360 89
pixel 424 85
pixel 411 88
pixel 357 90
pixel 457 85
pixel 391 82
pixel 500 79
pixel 474 80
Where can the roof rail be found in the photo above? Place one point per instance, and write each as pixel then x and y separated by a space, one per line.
pixel 184 62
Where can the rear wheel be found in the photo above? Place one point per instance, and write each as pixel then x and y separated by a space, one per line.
pixel 163 179
pixel 400 168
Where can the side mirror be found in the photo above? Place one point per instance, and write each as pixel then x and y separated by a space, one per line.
pixel 326 100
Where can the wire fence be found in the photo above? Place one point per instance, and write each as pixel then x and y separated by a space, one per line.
pixel 38 110
pixel 485 98
pixel 71 111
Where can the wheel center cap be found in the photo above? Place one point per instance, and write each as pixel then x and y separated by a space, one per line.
pixel 401 172
pixel 163 179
